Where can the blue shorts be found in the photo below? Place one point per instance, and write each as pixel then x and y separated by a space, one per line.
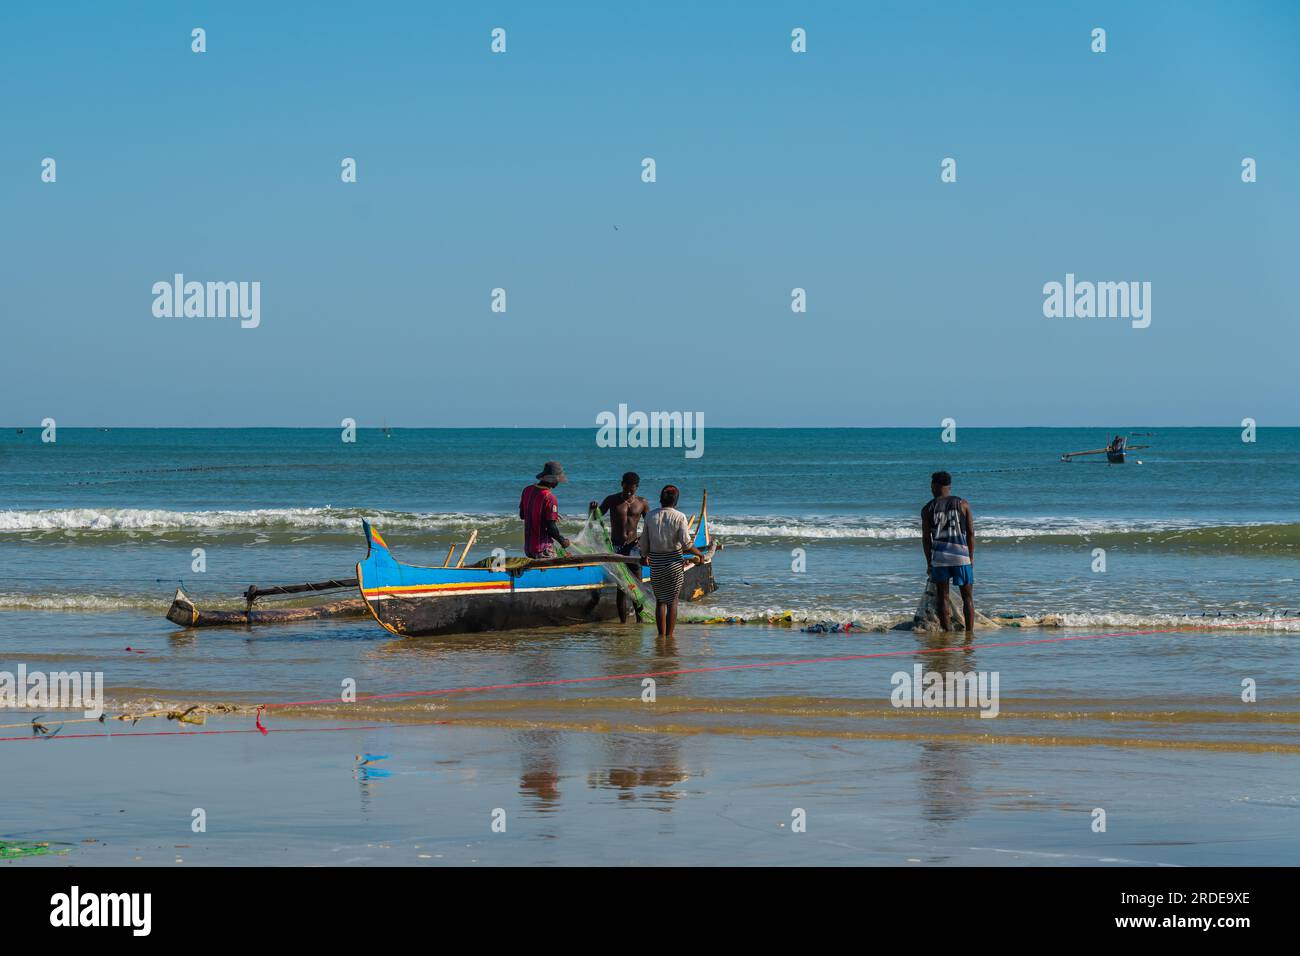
pixel 957 574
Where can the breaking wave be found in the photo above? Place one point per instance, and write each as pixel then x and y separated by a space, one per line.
pixel 737 527
pixel 327 524
pixel 1192 535
pixel 1269 620
pixel 156 603
pixel 82 602
pixel 128 522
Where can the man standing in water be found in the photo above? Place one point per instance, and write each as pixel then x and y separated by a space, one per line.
pixel 948 538
pixel 540 511
pixel 666 538
pixel 625 511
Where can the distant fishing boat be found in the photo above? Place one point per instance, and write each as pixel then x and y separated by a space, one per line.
pixel 413 601
pixel 1116 452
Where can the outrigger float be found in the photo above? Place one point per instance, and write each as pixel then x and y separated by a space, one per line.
pixel 187 614
pixel 490 595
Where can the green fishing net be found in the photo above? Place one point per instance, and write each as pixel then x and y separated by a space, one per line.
pixel 501 564
pixel 594 539
pixel 18 849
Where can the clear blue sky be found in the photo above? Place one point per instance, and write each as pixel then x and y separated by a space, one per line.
pixel 775 170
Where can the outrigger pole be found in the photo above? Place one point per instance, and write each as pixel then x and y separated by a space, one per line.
pixel 334 584
pixel 1076 454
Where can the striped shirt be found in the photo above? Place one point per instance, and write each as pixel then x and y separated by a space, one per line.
pixel 948 545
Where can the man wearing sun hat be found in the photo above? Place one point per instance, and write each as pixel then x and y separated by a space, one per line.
pixel 540 512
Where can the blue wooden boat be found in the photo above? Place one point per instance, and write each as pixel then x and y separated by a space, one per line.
pixel 412 601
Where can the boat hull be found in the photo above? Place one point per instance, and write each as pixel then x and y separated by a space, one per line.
pixel 560 603
pixel 413 601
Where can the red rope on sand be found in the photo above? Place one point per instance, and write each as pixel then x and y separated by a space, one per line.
pixel 262 729
pixel 761 664
pixel 191 733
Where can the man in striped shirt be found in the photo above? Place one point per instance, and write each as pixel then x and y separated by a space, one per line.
pixel 948 538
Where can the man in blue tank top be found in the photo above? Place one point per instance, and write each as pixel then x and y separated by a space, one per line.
pixel 948 537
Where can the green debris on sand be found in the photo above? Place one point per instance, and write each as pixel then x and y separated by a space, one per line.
pixel 18 849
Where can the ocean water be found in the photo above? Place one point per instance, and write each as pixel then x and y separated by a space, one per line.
pixel 1204 524
pixel 1140 678
pixel 97 530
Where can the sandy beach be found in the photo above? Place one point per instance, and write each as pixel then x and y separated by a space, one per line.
pixel 573 798
pixel 713 771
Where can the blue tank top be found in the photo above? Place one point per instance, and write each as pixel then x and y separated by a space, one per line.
pixel 948 544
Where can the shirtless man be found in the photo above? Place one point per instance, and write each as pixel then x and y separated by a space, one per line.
pixel 625 512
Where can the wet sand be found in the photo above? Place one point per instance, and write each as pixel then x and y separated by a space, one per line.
pixel 1151 728
pixel 635 797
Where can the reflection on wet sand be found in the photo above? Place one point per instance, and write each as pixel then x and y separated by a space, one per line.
pixel 641 768
pixel 666 651
pixel 539 753
pixel 183 638
pixel 539 749
pixel 944 768
pixel 943 771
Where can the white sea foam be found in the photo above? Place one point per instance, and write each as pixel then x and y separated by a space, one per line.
pixel 797 616
pixel 327 518
pixel 258 519
pixel 866 619
pixel 81 602
pixel 899 529
pixel 1074 620
pixel 1257 621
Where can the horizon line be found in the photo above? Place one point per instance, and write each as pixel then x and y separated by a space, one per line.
pixel 381 427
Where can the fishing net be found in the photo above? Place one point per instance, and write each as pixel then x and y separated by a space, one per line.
pixel 18 849
pixel 495 563
pixel 594 539
pixel 927 611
